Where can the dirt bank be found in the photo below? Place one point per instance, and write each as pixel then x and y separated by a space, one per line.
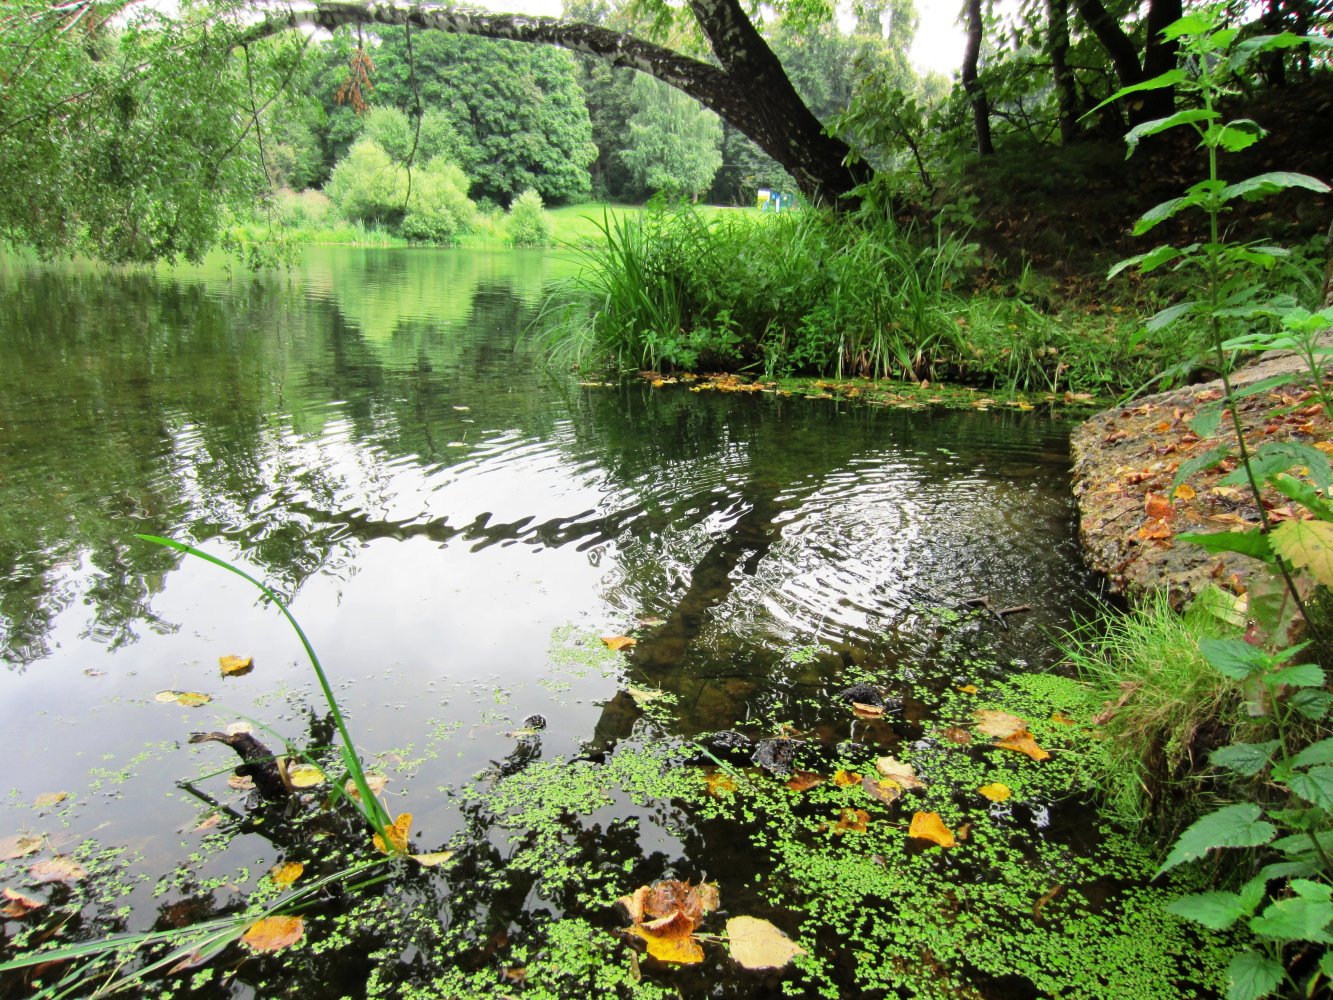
pixel 1126 458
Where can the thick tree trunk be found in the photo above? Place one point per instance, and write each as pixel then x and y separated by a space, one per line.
pixel 1158 56
pixel 975 92
pixel 1066 97
pixel 749 89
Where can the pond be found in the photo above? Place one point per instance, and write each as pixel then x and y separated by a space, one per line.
pixel 457 527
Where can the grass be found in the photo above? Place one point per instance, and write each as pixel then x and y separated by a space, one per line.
pixel 1164 708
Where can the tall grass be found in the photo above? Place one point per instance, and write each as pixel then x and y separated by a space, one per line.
pixel 801 292
pixel 365 800
pixel 1165 707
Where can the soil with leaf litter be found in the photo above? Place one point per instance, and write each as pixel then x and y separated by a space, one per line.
pixel 1126 460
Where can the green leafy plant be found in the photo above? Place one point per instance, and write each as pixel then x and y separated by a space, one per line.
pixel 365 801
pixel 1288 904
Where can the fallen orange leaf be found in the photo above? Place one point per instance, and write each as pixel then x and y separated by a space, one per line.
pixel 19 905
pixel 274 933
pixel 801 781
pixel 397 832
pixel 1158 507
pixel 719 782
pixel 286 873
pixel 619 642
pixel 1023 743
pixel 864 711
pixel 929 826
pixel 845 779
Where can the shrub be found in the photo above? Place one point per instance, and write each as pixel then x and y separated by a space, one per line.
pixel 439 210
pixel 528 224
pixel 366 186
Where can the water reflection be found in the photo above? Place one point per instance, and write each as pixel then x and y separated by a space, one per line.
pixel 370 433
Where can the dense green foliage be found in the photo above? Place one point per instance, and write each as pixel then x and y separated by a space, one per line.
pixel 673 141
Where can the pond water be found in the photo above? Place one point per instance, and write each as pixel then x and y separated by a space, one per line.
pixel 456 526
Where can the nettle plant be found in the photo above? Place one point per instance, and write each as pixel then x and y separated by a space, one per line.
pixel 1287 903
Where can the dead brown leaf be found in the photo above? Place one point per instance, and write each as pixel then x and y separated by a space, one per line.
pixel 801 781
pixel 852 821
pixel 19 846
pixel 998 724
pixel 58 870
pixel 19 905
pixel 901 773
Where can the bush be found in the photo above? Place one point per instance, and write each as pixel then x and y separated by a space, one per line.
pixel 439 210
pixel 366 186
pixel 528 224
pixel 305 208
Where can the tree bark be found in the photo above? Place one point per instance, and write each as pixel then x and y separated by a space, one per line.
pixel 1066 97
pixel 1158 57
pixel 971 85
pixel 748 89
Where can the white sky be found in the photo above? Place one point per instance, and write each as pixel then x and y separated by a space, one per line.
pixel 938 46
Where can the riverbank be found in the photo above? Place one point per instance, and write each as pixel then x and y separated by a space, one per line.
pixel 1126 459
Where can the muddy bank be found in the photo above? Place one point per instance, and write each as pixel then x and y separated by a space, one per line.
pixel 1126 458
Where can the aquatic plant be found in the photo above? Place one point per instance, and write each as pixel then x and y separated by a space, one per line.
pixel 365 801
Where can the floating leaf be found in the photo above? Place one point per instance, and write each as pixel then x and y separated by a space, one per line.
pixel 58 870
pixel 864 711
pixel 671 939
pixel 241 782
pixel 642 696
pixel 845 779
pixel 19 846
pixel 903 774
pixel 886 790
pixel 1061 718
pixel 274 933
pixel 375 782
pixel 851 821
pixel 190 699
pixel 397 832
pixel 236 666
pixel 47 799
pixel 719 783
pixel 954 734
pixel 19 905
pixel 998 724
pixel 286 873
pixel 1023 743
pixel 968 689
pixel 210 821
pixel 757 944
pixel 619 642
pixel 929 826
pixel 801 781
pixel 433 859
pixel 305 775
pixel 996 792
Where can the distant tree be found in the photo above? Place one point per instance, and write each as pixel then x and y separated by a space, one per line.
pixel 673 141
pixel 517 110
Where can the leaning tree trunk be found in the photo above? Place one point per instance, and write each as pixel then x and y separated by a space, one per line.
pixel 748 88
pixel 976 93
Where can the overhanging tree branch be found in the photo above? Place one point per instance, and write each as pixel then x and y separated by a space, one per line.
pixel 749 88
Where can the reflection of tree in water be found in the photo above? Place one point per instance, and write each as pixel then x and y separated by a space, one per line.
pixel 133 403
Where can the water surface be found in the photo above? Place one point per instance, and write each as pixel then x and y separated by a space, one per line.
pixel 372 434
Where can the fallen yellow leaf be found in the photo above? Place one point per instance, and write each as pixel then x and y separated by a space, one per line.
pixel 968 689
pixel 305 775
pixel 996 792
pixel 845 779
pixel 671 939
pixel 757 944
pixel 235 666
pixel 998 724
pixel 719 782
pixel 274 933
pixel 886 790
pixel 903 774
pixel 286 873
pixel 619 642
pixel 929 826
pixel 48 799
pixel 376 783
pixel 432 859
pixel 1023 743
